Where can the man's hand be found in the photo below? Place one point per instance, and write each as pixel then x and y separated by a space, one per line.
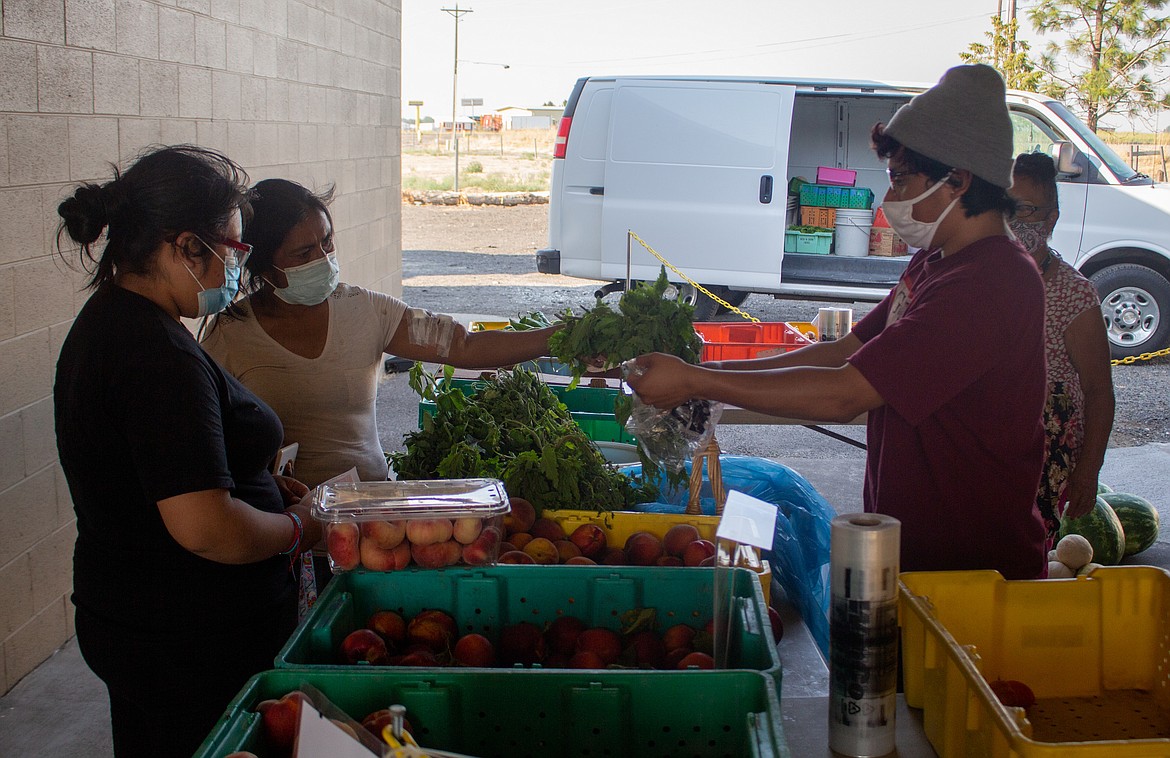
pixel 659 379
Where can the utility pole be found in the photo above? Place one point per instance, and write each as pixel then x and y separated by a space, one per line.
pixel 455 13
pixel 417 104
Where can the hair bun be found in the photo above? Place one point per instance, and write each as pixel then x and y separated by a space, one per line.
pixel 85 213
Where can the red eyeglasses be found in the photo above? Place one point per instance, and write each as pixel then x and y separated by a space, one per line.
pixel 243 248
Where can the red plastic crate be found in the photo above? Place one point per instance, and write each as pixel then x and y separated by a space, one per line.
pixel 742 339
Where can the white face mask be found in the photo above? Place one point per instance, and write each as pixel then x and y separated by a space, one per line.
pixel 900 214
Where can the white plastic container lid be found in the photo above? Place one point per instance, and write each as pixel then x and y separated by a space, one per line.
pixel 412 499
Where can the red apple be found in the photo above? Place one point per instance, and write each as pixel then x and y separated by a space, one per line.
pixel 364 645
pixel 696 552
pixel 341 542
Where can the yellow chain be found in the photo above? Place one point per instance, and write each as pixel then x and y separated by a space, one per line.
pixel 1143 357
pixel 691 281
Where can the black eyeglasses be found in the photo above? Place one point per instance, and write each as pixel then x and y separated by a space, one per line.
pixel 1027 210
pixel 895 175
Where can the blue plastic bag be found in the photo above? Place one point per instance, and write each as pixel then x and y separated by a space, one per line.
pixel 799 557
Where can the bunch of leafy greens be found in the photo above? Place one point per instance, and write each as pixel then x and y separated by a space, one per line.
pixel 645 322
pixel 513 428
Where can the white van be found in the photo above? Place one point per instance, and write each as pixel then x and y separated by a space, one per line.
pixel 698 167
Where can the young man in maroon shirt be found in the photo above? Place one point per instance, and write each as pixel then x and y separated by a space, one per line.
pixel 954 394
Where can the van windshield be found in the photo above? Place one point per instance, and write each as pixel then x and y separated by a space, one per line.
pixel 1111 159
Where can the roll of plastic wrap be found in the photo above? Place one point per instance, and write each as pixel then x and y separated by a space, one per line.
pixel 863 633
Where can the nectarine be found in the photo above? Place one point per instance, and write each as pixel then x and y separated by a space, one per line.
pixel 678 537
pixel 364 646
pixel 474 650
pixel 643 549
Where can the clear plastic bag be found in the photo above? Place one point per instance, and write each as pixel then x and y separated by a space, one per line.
pixel 671 438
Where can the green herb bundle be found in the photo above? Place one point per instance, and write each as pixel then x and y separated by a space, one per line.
pixel 513 428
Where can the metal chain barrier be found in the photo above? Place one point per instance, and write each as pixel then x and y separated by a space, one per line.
pixel 691 281
pixel 1143 357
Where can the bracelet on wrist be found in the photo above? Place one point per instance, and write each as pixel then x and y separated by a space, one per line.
pixel 298 531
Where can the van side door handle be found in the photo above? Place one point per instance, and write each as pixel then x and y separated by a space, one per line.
pixel 597 190
pixel 765 189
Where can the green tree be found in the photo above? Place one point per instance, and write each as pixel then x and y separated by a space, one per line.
pixel 1111 58
pixel 1007 54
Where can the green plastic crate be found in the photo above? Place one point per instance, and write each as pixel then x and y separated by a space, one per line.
pixel 814 243
pixel 591 408
pixel 484 600
pixel 832 196
pixel 509 714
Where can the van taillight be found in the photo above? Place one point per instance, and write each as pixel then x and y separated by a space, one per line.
pixel 562 137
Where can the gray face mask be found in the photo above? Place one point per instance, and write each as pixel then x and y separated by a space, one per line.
pixel 1031 234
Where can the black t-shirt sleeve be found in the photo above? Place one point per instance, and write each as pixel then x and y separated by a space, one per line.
pixel 172 419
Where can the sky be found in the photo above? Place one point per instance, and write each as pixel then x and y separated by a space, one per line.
pixel 548 44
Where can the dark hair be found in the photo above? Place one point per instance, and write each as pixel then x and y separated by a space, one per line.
pixel 278 205
pixel 167 191
pixel 1041 169
pixel 980 197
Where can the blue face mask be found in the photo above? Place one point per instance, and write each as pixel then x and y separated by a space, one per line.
pixel 212 301
pixel 311 283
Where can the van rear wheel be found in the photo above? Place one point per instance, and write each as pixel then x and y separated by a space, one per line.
pixel 1135 303
pixel 707 309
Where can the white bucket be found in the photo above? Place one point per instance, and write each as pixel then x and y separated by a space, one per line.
pixel 852 237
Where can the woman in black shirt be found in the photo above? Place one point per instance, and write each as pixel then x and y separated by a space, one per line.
pixel 181 570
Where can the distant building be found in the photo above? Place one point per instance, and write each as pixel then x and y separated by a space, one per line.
pixel 515 117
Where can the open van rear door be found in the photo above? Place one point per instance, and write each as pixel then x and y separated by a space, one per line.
pixel 697 169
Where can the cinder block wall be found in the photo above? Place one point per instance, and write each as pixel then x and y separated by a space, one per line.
pixel 307 90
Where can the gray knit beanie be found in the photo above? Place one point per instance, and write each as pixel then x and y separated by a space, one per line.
pixel 963 122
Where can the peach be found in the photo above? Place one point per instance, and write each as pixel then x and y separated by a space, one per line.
pixel 605 642
pixel 696 552
pixel 281 718
pixel 341 541
pixel 698 660
pixel 375 721
pixel 384 534
pixel 614 556
pixel 428 531
pixel 679 635
pixel 474 650
pixel 513 557
pixel 542 551
pixel 364 645
pixel 401 555
pixel 645 650
pixel 555 660
pixel 671 661
pixel 562 634
pixel 547 528
pixel 507 547
pixel 678 537
pixel 580 560
pixel 375 558
pixel 418 658
pixel 669 560
pixel 586 659
pixel 520 539
pixel 465 530
pixel 389 625
pixel 433 628
pixel 521 643
pixel 566 550
pixel 708 561
pixel 643 548
pixel 521 516
pixel 589 539
pixel 483 548
pixel 436 554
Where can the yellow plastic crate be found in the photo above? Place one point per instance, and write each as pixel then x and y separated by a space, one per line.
pixel 619 525
pixel 1095 650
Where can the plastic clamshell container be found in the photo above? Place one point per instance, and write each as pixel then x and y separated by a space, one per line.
pixel 619 525
pixel 359 516
pixel 1095 650
pixel 840 176
pixel 486 600
pixel 499 714
pixel 814 243
pixel 590 407
pixel 741 339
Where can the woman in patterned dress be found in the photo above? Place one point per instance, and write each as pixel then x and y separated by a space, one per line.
pixel 1079 413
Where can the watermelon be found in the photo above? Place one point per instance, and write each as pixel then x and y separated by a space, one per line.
pixel 1103 488
pixel 1102 529
pixel 1138 517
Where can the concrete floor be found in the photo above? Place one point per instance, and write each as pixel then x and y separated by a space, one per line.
pixel 60 709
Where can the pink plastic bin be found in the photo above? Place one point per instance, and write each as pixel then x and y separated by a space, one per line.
pixel 840 176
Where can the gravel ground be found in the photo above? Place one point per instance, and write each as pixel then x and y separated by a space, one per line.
pixel 482 260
